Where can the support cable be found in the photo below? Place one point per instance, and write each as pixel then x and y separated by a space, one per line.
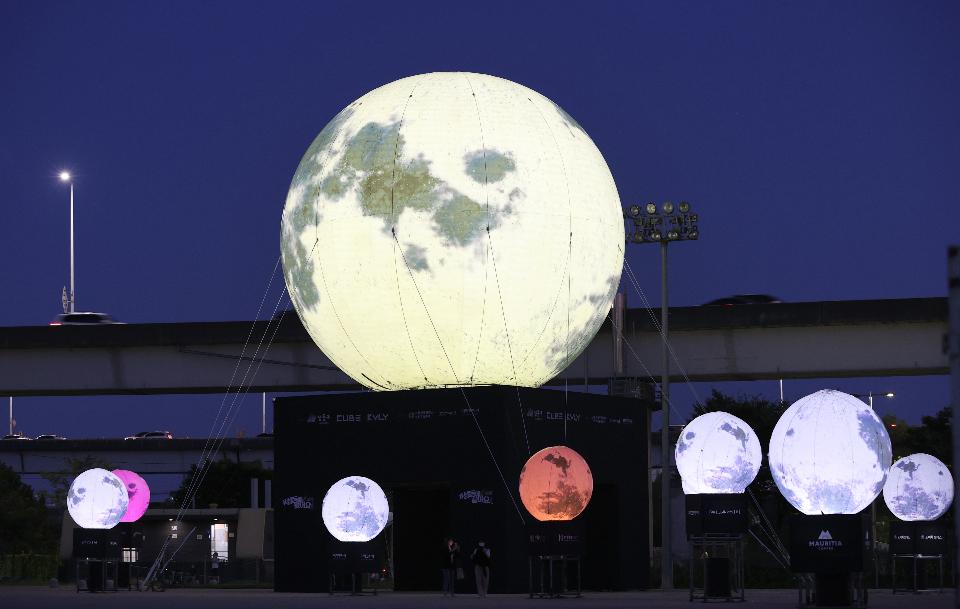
pixel 239 359
pixel 483 436
pixel 656 323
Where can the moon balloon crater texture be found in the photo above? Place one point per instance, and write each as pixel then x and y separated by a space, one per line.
pixel 138 493
pixel 717 453
pixel 97 499
pixel 829 454
pixel 918 487
pixel 556 484
pixel 452 229
pixel 355 509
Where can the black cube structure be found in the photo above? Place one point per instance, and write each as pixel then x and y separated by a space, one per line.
pixel 449 461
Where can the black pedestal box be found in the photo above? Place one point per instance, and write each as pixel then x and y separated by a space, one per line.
pixel 831 546
pixel 716 514
pixel 918 538
pixel 97 544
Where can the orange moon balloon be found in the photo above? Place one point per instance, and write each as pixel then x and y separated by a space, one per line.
pixel 556 484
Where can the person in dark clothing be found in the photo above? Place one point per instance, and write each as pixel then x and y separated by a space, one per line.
pixel 450 561
pixel 482 560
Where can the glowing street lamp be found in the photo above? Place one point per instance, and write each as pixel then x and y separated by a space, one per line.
pixel 652 224
pixel 874 394
pixel 70 301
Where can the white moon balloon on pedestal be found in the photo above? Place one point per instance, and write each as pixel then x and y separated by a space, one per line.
pixel 919 487
pixel 829 454
pixel 452 229
pixel 355 509
pixel 97 499
pixel 717 453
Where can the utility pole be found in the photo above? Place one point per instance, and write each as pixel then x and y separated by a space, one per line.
pixel 663 225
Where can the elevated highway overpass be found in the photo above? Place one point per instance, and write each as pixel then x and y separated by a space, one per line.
pixel 154 456
pixel 751 342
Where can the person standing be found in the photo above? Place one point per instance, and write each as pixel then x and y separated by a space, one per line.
pixel 481 567
pixel 451 558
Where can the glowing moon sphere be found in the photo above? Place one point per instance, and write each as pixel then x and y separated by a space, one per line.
pixel 97 499
pixel 138 493
pixel 829 454
pixel 717 453
pixel 452 229
pixel 355 509
pixel 919 487
pixel 556 484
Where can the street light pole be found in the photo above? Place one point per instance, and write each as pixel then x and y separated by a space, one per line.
pixel 662 225
pixel 72 297
pixel 873 504
pixel 73 292
pixel 666 545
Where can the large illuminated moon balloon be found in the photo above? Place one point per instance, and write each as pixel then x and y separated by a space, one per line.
pixel 452 229
pixel 97 499
pixel 717 453
pixel 138 493
pixel 355 509
pixel 556 484
pixel 919 487
pixel 829 454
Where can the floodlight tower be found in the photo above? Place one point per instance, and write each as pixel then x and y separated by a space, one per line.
pixel 663 224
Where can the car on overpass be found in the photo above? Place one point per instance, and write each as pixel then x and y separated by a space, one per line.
pixel 743 299
pixel 150 435
pixel 83 319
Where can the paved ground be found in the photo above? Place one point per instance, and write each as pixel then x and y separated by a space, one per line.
pixel 25 597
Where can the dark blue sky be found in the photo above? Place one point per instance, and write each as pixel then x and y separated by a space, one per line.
pixel 818 140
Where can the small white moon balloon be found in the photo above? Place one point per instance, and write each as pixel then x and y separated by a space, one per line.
pixel 919 487
pixel 717 453
pixel 829 454
pixel 97 499
pixel 452 229
pixel 355 509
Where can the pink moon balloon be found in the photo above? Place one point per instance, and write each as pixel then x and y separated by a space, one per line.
pixel 139 494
